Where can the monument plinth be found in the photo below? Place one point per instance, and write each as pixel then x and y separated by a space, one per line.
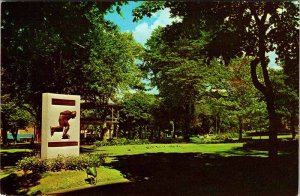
pixel 60 125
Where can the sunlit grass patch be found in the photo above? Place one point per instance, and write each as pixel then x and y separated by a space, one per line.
pixel 66 180
pixel 13 150
pixel 228 149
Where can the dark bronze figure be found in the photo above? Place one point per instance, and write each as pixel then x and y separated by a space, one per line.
pixel 64 125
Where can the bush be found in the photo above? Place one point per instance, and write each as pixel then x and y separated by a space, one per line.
pixel 55 164
pixel 121 142
pixel 95 160
pixel 32 163
pixel 169 140
pixel 213 139
pixel 81 162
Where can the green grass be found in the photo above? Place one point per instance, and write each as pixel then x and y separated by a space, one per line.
pixel 13 150
pixel 68 180
pixel 227 149
pixel 71 180
pixel 51 182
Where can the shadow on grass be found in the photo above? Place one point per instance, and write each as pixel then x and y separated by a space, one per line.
pixel 19 185
pixel 10 159
pixel 87 149
pixel 286 146
pixel 11 154
pixel 201 174
pixel 13 184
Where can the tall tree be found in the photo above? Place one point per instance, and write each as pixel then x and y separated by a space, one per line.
pixel 248 100
pixel 177 75
pixel 43 48
pixel 63 47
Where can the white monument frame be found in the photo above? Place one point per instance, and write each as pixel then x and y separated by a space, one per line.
pixel 52 107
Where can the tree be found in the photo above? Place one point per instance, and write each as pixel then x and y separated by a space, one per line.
pixel 177 75
pixel 287 100
pixel 249 27
pixel 43 49
pixel 13 117
pixel 63 47
pixel 137 112
pixel 112 67
pixel 248 100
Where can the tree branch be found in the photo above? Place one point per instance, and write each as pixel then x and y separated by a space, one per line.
pixel 254 77
pixel 253 12
pixel 81 46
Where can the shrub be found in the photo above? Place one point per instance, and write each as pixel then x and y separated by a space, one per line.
pixel 81 162
pixel 95 160
pixel 121 142
pixel 32 163
pixel 55 164
pixel 169 140
pixel 138 141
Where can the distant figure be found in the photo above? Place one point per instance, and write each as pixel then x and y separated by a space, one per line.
pixel 64 125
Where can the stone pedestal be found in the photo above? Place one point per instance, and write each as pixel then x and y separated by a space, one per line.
pixel 60 125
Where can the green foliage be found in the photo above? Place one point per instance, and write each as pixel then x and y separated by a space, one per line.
pixel 16 116
pixel 137 110
pixel 169 140
pixel 227 137
pixel 33 164
pixel 56 164
pixel 81 162
pixel 50 52
pixel 111 63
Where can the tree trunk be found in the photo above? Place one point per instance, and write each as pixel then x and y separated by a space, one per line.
pixel 141 131
pixel 4 134
pixel 273 120
pixel 266 88
pixel 293 123
pixel 187 121
pixel 240 128
pixel 14 132
pixel 217 124
pixel 269 98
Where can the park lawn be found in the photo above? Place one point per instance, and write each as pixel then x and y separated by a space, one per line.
pixel 223 149
pixel 13 150
pixel 50 182
pixel 72 180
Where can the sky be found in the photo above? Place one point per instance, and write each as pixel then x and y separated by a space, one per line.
pixel 142 29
